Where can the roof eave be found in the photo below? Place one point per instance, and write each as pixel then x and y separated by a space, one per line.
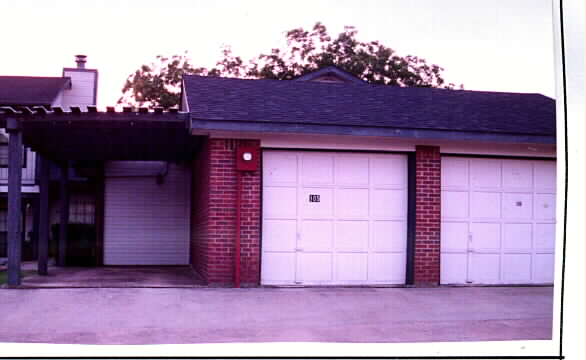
pixel 202 125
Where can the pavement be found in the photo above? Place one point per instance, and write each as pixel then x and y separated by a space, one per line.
pixel 215 315
pixel 112 277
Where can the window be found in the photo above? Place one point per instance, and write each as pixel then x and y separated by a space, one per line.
pixel 4 154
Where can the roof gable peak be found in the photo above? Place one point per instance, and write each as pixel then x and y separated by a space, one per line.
pixel 330 74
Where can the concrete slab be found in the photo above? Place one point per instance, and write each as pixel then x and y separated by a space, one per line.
pixel 211 315
pixel 113 277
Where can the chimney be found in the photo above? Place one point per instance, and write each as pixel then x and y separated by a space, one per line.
pixel 80 60
pixel 84 84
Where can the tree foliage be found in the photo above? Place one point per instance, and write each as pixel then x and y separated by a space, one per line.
pixel 158 84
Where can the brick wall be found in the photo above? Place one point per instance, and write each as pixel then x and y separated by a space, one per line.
pixel 250 226
pixel 214 232
pixel 213 215
pixel 428 215
pixel 200 211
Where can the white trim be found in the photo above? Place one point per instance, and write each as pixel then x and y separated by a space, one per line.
pixel 373 143
pixel 24 189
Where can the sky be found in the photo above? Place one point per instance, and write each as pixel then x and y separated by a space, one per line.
pixel 497 45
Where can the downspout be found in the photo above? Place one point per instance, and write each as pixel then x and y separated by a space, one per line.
pixel 237 242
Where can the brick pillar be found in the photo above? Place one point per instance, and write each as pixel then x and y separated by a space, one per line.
pixel 219 230
pixel 250 224
pixel 428 215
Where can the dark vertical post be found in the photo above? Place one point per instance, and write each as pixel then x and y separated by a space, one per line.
pixel 99 215
pixel 43 215
pixel 35 237
pixel 64 212
pixel 411 211
pixel 14 219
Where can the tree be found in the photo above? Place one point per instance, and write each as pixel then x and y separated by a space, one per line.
pixel 158 84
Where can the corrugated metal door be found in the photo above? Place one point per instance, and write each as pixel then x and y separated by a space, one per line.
pixel 333 218
pixel 498 221
pixel 146 223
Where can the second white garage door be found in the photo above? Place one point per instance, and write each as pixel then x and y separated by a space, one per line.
pixel 498 221
pixel 145 222
pixel 332 218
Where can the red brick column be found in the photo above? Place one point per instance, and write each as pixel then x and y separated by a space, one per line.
pixel 217 232
pixel 428 215
pixel 200 189
pixel 250 224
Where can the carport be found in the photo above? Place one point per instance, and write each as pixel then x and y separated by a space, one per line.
pixel 62 137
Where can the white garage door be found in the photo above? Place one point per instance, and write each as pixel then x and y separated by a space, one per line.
pixel 333 218
pixel 146 223
pixel 498 221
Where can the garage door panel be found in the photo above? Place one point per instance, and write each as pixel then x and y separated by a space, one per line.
pixel 454 236
pixel 388 204
pixel 486 236
pixel 544 206
pixel 517 174
pixel 352 203
pixel 279 235
pixel 387 268
pixel 316 208
pixel 544 236
pixel 485 173
pixel 278 268
pixel 518 237
pixel 146 223
pixel 315 268
pixel 349 210
pixel 279 202
pixel 388 170
pixel 453 268
pixel 454 172
pixel 485 268
pixel 317 169
pixel 352 267
pixel 544 268
pixel 510 214
pixel 517 268
pixel 317 235
pixel 454 204
pixel 544 175
pixel 484 205
pixel 352 235
pixel 352 169
pixel 517 206
pixel 389 236
pixel 279 168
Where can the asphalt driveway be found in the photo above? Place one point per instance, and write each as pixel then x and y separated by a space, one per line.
pixel 201 315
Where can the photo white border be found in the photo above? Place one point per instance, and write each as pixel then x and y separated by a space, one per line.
pixel 574 300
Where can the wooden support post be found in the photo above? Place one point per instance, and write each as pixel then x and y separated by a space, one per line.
pixel 14 219
pixel 64 213
pixel 99 214
pixel 35 230
pixel 43 233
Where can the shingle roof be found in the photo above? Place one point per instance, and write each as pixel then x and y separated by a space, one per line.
pixel 314 103
pixel 28 90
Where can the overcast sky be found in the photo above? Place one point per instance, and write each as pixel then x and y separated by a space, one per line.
pixel 486 45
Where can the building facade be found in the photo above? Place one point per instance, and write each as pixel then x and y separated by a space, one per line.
pixel 324 180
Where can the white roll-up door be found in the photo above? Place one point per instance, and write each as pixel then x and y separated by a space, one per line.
pixel 498 221
pixel 145 222
pixel 332 218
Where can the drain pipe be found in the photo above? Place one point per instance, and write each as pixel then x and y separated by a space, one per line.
pixel 237 242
